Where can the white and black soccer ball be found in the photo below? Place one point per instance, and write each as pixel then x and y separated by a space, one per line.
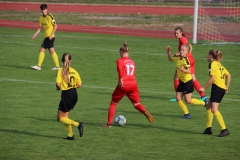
pixel 120 120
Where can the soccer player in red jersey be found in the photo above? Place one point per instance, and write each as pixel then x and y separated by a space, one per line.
pixel 178 32
pixel 127 85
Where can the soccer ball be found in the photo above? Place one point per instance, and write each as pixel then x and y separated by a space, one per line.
pixel 120 120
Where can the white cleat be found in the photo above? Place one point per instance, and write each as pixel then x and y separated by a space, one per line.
pixel 36 67
pixel 55 68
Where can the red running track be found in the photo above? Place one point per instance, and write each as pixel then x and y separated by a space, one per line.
pixel 105 9
pixel 111 9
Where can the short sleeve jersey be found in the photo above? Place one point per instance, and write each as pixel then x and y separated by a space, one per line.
pixel 73 76
pixel 48 23
pixel 184 77
pixel 219 72
pixel 182 41
pixel 126 69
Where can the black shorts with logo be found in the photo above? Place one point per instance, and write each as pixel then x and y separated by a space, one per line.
pixel 185 87
pixel 69 99
pixel 217 93
pixel 47 43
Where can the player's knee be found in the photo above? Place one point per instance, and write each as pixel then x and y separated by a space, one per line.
pixel 188 101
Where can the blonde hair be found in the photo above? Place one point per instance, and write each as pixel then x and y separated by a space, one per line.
pixel 216 54
pixel 188 46
pixel 124 48
pixel 66 59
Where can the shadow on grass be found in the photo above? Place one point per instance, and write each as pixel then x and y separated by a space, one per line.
pixel 43 119
pixel 17 67
pixel 26 133
pixel 145 126
pixel 137 112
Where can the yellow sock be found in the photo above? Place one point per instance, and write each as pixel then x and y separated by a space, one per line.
pixel 69 122
pixel 55 59
pixel 220 120
pixel 183 107
pixel 209 118
pixel 69 130
pixel 40 58
pixel 197 102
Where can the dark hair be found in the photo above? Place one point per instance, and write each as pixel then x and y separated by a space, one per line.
pixel 43 6
pixel 124 48
pixel 216 54
pixel 181 30
pixel 66 57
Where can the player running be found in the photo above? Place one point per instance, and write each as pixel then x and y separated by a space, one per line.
pixel 127 85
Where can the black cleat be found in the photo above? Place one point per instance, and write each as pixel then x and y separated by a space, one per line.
pixel 223 133
pixel 80 128
pixel 208 131
pixel 69 138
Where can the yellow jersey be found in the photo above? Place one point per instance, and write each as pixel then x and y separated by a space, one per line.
pixel 184 77
pixel 47 22
pixel 73 76
pixel 219 72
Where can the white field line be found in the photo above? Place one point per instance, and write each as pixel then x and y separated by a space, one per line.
pixel 106 50
pixel 93 87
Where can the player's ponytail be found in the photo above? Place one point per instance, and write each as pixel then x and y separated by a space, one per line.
pixel 124 48
pixel 216 54
pixel 189 47
pixel 66 58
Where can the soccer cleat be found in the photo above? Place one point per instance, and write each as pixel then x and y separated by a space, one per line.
pixel 223 133
pixel 69 138
pixel 106 125
pixel 186 116
pixel 173 100
pixel 55 68
pixel 203 98
pixel 149 116
pixel 208 131
pixel 206 102
pixel 80 128
pixel 36 67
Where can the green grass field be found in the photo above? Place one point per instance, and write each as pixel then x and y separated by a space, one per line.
pixel 29 129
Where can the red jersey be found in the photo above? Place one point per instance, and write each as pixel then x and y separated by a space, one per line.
pixel 126 70
pixel 182 41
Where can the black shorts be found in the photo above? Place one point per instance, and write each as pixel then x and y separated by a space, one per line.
pixel 185 87
pixel 47 43
pixel 217 93
pixel 68 101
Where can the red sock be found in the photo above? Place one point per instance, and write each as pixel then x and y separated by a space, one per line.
pixel 111 112
pixel 140 108
pixel 176 83
pixel 197 86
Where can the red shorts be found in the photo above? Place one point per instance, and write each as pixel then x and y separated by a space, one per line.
pixel 130 90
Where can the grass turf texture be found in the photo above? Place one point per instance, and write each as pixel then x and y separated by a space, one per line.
pixel 29 101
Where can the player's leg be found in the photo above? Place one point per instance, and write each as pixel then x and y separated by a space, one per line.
pixel 117 95
pixel 176 83
pixel 188 94
pixel 134 97
pixel 55 58
pixel 40 58
pixel 197 86
pixel 208 130
pixel 179 96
